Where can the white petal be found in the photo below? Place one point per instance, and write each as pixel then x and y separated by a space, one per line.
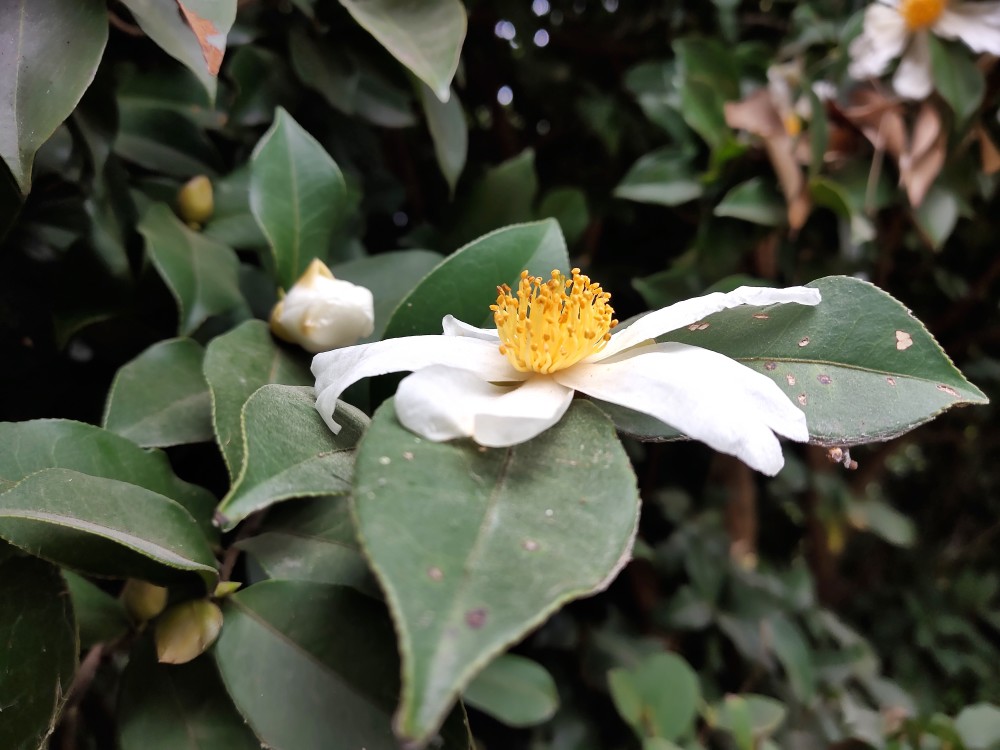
pixel 452 326
pixel 442 403
pixel 881 41
pixel 913 79
pixel 705 395
pixel 690 311
pixel 337 369
pixel 976 24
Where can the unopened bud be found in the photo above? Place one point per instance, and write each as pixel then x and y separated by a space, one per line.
pixel 320 312
pixel 185 630
pixel 195 203
pixel 143 601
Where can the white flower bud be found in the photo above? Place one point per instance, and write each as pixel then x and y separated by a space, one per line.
pixel 321 313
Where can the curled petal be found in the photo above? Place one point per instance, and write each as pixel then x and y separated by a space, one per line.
pixel 442 403
pixel 976 24
pixel 452 326
pixel 705 395
pixel 913 78
pixel 881 41
pixel 336 370
pixel 690 311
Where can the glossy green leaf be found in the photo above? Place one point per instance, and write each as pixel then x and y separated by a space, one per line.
pixel 177 706
pixel 39 640
pixel 39 89
pixel 503 195
pixel 311 665
pixel 297 193
pixel 450 134
pixel 749 718
pixel 475 547
pixel 658 697
pixel 426 37
pixel 663 177
pixel 754 201
pixel 50 443
pixel 859 364
pixel 312 540
pixel 290 452
pixel 465 283
pixel 390 276
pixel 193 32
pixel 201 274
pixel 161 398
pixel 164 140
pixel 232 223
pixel 237 364
pixel 937 215
pixel 792 650
pixel 515 690
pixel 979 726
pixel 104 527
pixel 100 617
pixel 957 78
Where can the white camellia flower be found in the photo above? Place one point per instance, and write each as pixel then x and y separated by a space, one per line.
pixel 901 27
pixel 321 313
pixel 505 386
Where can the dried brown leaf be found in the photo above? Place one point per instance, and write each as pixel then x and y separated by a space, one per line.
pixel 988 152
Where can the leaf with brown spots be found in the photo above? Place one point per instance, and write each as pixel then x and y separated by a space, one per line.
pixel 860 366
pixel 213 43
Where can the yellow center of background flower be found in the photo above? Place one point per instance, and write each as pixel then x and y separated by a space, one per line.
pixel 553 324
pixel 920 14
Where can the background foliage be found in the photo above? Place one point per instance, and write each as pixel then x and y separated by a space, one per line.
pixel 150 417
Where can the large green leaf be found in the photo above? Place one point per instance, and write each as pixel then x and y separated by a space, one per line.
pixel 503 195
pixel 390 276
pixel 49 443
pixel 288 451
pixel 99 616
pixel 663 177
pixel 425 36
pixel 311 665
pixel 859 364
pixel 201 273
pixel 103 527
pixel 957 78
pixel 39 87
pixel 39 640
pixel 446 122
pixel 312 540
pixel 164 140
pixel 297 193
pixel 658 697
pixel 161 398
pixel 475 547
pixel 193 32
pixel 465 283
pixel 177 706
pixel 517 691
pixel 237 364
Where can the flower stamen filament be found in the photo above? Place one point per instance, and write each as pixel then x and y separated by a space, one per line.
pixel 550 325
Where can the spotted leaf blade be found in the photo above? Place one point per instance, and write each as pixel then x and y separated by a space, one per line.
pixel 474 547
pixel 859 364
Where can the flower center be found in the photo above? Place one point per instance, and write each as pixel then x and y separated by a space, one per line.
pixel 551 325
pixel 920 14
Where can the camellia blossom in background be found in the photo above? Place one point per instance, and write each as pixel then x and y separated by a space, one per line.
pixel 505 386
pixel 321 313
pixel 901 27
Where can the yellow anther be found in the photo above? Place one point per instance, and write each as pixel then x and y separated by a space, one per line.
pixel 921 14
pixel 550 325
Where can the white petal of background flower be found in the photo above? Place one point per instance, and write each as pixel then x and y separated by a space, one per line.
pixel 881 41
pixel 336 370
pixel 913 78
pixel 690 311
pixel 705 395
pixel 442 403
pixel 976 24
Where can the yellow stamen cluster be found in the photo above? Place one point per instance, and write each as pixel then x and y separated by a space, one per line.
pixel 921 14
pixel 550 325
